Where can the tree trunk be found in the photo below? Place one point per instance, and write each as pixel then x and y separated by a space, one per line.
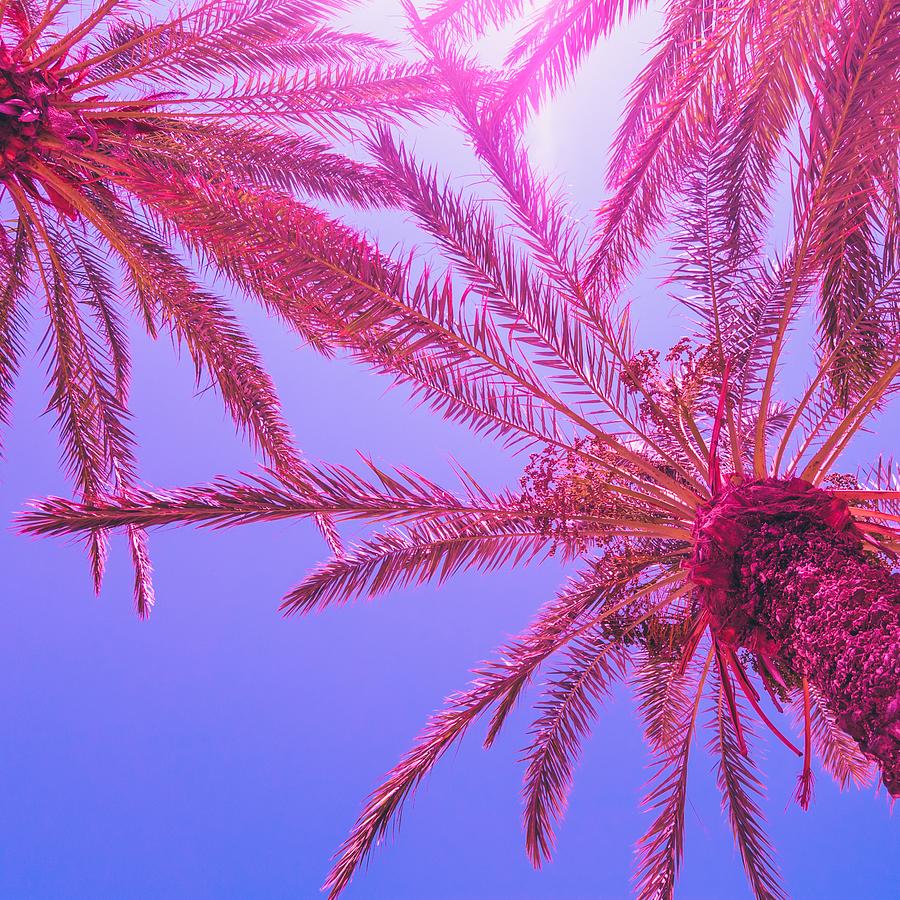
pixel 787 575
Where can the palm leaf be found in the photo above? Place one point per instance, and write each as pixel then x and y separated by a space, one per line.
pixel 741 787
pixel 660 850
pixel 13 271
pixel 546 55
pixel 567 709
pixel 430 551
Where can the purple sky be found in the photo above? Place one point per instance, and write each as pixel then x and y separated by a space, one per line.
pixel 219 751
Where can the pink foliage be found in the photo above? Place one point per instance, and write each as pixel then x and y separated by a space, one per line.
pixel 518 333
pixel 36 106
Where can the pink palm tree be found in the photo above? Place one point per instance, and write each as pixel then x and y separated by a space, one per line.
pixel 122 138
pixel 723 552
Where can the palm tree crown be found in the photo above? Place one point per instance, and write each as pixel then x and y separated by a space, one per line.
pixel 723 554
pixel 121 138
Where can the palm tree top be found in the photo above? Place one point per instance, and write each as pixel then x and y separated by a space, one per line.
pixel 721 549
pixel 123 136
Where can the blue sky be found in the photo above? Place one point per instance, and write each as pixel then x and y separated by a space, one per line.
pixel 220 751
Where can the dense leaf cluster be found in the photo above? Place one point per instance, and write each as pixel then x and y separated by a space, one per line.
pixel 518 331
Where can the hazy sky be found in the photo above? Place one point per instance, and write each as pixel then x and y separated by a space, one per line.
pixel 219 751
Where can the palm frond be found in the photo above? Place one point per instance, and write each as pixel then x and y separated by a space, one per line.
pixel 741 787
pixel 545 224
pixel 634 214
pixel 166 292
pixel 289 163
pixel 138 50
pixel 429 551
pixel 201 40
pixel 685 26
pixel 472 18
pixel 761 108
pixel 97 283
pixel 853 107
pixel 323 99
pixel 660 685
pixel 567 708
pixel 144 594
pixel 92 422
pixel 498 685
pixel 497 273
pixel 837 751
pixel 546 56
pixel 14 274
pixel 398 496
pixel 660 850
pixel 355 297
pixel 90 399
pixel 593 372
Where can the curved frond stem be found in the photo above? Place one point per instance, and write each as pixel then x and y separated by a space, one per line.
pixel 856 417
pixel 144 37
pixel 567 708
pixel 804 790
pixel 51 11
pixel 58 49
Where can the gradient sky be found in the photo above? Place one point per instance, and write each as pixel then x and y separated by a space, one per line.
pixel 220 751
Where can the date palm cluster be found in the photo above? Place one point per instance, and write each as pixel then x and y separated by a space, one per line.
pixel 728 566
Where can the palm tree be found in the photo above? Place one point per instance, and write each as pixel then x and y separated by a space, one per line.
pixel 122 136
pixel 722 551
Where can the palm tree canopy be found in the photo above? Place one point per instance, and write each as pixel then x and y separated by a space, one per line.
pixel 123 137
pixel 650 471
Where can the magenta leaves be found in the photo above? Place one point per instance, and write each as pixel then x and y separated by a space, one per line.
pixel 727 566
